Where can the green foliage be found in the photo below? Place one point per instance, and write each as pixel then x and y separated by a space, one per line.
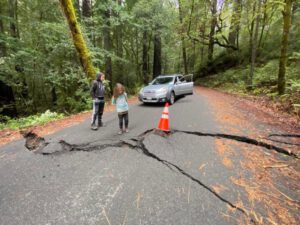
pixel 294 85
pixel 24 122
pixel 266 75
pixel 44 72
pixel 265 84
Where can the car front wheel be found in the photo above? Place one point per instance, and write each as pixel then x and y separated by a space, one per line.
pixel 172 98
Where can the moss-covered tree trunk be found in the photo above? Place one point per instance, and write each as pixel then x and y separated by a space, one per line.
pixel 284 44
pixel 80 45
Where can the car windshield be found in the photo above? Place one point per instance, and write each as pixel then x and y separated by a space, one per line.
pixel 162 80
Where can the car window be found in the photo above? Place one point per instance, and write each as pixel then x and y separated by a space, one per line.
pixel 182 79
pixel 162 80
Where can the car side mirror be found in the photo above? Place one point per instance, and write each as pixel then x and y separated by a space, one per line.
pixel 149 83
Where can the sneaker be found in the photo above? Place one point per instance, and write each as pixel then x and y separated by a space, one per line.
pixel 126 130
pixel 120 132
pixel 94 127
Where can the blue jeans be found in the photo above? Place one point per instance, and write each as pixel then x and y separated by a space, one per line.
pixel 98 107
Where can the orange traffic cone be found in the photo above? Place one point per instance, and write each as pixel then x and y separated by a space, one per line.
pixel 164 120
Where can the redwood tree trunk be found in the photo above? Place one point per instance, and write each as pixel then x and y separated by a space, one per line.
pixel 212 29
pixel 254 47
pixel 86 8
pixel 235 23
pixel 13 14
pixel 145 58
pixel 182 39
pixel 284 44
pixel 107 47
pixel 2 44
pixel 119 47
pixel 157 55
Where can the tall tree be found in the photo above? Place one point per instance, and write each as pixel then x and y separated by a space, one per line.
pixel 2 34
pixel 251 29
pixel 13 14
pixel 80 45
pixel 86 8
pixel 182 38
pixel 157 54
pixel 284 44
pixel 118 32
pixel 254 46
pixel 86 15
pixel 145 57
pixel 213 23
pixel 235 23
pixel 107 43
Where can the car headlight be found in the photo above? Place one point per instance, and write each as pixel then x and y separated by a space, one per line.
pixel 162 91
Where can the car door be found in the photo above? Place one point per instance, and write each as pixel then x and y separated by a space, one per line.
pixel 177 86
pixel 187 84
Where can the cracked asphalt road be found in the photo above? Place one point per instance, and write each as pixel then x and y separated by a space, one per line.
pixel 98 177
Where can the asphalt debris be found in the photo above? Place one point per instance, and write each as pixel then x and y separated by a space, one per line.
pixel 33 141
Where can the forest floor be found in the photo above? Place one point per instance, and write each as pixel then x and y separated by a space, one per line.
pixel 9 135
pixel 264 109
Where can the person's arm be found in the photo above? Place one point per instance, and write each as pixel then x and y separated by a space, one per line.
pixel 93 89
pixel 113 101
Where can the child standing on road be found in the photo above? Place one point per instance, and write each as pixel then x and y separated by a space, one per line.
pixel 120 100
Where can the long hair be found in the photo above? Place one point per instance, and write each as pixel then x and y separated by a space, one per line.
pixel 117 89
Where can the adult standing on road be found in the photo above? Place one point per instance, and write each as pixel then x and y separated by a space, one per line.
pixel 97 92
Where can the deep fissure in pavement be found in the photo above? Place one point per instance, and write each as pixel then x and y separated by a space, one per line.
pixel 241 139
pixel 173 166
pixel 285 135
pixel 34 142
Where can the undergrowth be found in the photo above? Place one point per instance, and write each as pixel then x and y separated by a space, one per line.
pixel 264 84
pixel 29 121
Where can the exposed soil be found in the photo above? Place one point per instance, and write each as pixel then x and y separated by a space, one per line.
pixel 8 135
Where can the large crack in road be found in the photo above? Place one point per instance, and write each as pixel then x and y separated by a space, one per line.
pixel 34 142
pixel 37 144
pixel 244 139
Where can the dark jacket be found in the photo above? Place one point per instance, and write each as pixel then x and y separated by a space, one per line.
pixel 97 89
